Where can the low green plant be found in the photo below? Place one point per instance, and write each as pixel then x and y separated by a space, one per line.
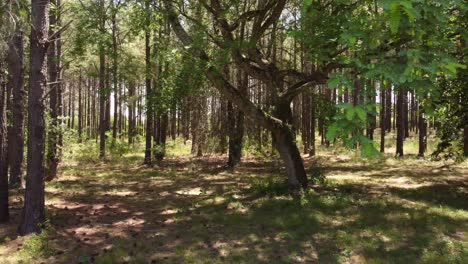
pixel 38 245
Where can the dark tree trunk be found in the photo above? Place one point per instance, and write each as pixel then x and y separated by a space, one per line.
pixel 149 108
pixel 388 108
pixel 4 212
pixel 173 111
pixel 371 118
pixel 383 115
pixel 16 136
pixel 131 112
pixel 282 133
pixel 405 113
pixel 395 109
pixel 422 127
pixel 80 108
pixel 33 214
pixel 236 126
pixel 306 109
pixel 114 72
pixel 312 124
pixel 285 142
pixel 465 140
pixel 400 121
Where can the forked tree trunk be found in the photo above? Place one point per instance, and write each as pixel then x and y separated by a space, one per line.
pixel 16 82
pixel 33 214
pixel 279 126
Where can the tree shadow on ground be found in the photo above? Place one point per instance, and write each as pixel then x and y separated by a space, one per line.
pixel 191 211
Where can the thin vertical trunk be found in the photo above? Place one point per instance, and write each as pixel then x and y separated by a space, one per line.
pixel 383 114
pixel 465 140
pixel 371 122
pixel 33 214
pixel 388 109
pixel 149 108
pixel 312 123
pixel 114 71
pixel 80 109
pixel 405 113
pixel 4 212
pixel 102 88
pixel 306 122
pixel 400 122
pixel 131 112
pixel 173 111
pixel 53 61
pixel 16 82
pixel 422 127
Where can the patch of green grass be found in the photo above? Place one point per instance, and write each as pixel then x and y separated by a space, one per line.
pixel 38 245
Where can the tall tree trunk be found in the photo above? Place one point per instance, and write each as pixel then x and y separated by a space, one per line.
pixel 312 123
pixel 16 83
pixel 33 214
pixel 102 85
pixel 388 108
pixel 149 108
pixel 236 126
pixel 306 122
pixel 80 108
pixel 400 121
pixel 281 131
pixel 4 213
pixel 405 113
pixel 53 68
pixel 383 115
pixel 371 118
pixel 131 112
pixel 114 71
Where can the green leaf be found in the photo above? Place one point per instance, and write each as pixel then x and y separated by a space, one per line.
pixel 361 113
pixel 331 132
pixel 350 114
pixel 394 19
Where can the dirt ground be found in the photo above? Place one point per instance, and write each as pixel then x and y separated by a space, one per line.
pixel 197 211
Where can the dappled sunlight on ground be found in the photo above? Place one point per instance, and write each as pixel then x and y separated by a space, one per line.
pixel 188 210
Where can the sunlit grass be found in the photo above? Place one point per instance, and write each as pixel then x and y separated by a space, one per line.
pixel 184 211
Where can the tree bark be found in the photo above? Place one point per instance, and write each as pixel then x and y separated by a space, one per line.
pixel 400 121
pixel 4 212
pixel 53 61
pixel 114 71
pixel 422 127
pixel 16 83
pixel 383 115
pixel 33 214
pixel 279 125
pixel 149 108
pixel 102 87
pixel 80 108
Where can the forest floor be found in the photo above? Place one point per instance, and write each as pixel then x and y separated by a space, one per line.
pixel 190 210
